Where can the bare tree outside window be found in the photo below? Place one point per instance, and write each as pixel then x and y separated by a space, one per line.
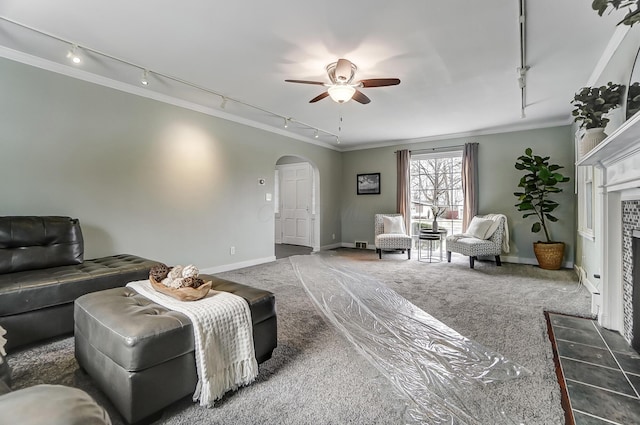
pixel 436 180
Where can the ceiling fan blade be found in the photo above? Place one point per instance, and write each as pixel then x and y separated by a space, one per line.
pixel 318 83
pixel 319 97
pixel 380 82
pixel 358 96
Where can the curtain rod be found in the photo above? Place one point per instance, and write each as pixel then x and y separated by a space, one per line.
pixel 443 148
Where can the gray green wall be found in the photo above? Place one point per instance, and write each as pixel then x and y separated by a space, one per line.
pixel 180 186
pixel 145 177
pixel 498 179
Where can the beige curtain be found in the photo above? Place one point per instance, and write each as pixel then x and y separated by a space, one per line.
pixel 469 183
pixel 403 192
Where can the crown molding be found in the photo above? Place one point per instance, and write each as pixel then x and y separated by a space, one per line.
pixel 83 75
pixel 475 133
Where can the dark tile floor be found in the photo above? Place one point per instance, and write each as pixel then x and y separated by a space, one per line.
pixel 285 250
pixel 601 372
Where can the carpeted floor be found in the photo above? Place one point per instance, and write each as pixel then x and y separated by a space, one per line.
pixel 316 377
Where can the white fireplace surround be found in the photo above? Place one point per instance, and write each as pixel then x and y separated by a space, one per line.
pixel 619 158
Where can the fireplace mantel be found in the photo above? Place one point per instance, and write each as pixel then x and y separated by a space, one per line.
pixel 624 142
pixel 619 158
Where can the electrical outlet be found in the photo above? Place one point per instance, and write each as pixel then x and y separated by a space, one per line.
pixel 232 250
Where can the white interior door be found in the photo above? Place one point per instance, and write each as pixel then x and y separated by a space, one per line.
pixel 295 180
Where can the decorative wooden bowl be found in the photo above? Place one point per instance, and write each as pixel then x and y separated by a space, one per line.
pixel 182 294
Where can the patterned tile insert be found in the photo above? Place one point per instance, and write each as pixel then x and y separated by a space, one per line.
pixel 630 221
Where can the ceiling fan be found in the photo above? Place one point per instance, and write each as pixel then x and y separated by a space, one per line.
pixel 342 88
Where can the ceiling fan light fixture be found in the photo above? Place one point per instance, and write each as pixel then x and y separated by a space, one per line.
pixel 341 93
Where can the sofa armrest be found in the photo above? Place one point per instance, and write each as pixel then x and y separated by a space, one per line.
pixel 52 405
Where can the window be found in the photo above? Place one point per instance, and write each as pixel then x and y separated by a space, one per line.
pixel 586 196
pixel 436 181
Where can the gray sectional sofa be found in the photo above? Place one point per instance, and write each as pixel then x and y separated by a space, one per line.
pixel 43 271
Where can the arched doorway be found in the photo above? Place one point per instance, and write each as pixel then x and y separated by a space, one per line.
pixel 297 203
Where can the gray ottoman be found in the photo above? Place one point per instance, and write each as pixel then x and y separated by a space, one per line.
pixel 140 354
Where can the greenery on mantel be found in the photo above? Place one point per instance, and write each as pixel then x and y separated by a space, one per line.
pixel 540 181
pixel 592 103
pixel 630 18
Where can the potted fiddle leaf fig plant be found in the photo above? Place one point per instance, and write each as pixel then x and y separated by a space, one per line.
pixel 538 184
pixel 632 16
pixel 591 107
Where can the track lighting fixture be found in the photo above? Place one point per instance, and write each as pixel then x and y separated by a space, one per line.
pixel 73 54
pixel 337 139
pixel 523 68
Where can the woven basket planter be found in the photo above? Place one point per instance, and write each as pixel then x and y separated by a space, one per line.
pixel 549 255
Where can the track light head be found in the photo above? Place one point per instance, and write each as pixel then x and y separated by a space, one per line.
pixel 223 104
pixel 145 78
pixel 73 54
pixel 286 123
pixel 316 134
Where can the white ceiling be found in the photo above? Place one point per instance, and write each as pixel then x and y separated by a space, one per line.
pixel 457 59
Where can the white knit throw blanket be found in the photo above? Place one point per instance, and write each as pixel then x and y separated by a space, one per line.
pixel 505 235
pixel 225 356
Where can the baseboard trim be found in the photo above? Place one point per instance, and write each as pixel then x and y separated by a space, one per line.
pixel 585 280
pixel 331 246
pixel 239 265
pixel 531 261
pixel 353 245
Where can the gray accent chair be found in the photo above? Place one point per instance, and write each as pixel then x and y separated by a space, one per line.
pixel 474 247
pixel 390 241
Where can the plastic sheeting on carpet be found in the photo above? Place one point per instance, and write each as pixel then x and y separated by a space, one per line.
pixel 438 372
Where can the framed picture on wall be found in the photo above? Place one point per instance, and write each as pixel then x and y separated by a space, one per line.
pixel 368 184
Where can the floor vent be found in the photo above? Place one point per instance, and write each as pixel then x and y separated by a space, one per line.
pixel 361 244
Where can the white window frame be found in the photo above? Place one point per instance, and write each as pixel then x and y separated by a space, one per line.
pixel 586 202
pixel 438 155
